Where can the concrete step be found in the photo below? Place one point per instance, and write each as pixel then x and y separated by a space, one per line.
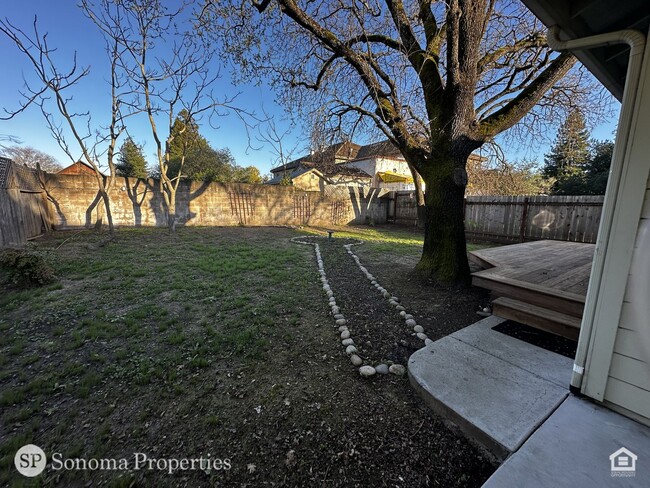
pixel 542 318
pixel 496 388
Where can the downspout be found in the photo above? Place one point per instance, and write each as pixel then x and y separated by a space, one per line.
pixel 636 41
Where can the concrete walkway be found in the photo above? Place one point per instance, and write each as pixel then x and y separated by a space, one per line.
pixel 573 448
pixel 513 398
pixel 496 388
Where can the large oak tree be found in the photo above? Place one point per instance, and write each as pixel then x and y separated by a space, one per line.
pixel 438 79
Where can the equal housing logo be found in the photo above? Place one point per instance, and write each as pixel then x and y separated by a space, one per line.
pixel 31 460
pixel 623 463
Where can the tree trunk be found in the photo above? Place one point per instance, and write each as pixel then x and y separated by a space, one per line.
pixel 171 211
pixel 444 255
pixel 421 208
pixel 109 215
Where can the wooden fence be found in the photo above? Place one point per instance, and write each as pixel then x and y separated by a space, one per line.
pixel 520 218
pixel 525 218
pixel 23 204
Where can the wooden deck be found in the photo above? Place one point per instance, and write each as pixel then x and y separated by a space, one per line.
pixel 542 283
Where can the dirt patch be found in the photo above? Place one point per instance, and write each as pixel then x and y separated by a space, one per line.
pixel 545 340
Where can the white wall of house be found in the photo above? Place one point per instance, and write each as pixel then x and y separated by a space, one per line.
pixel 375 165
pixel 617 367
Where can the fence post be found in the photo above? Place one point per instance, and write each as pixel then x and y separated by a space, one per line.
pixel 524 221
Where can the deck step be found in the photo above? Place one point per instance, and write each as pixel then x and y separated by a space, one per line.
pixel 548 298
pixel 543 318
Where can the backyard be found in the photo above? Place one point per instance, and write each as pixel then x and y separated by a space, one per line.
pixel 219 342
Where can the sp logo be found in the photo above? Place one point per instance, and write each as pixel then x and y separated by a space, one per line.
pixel 30 460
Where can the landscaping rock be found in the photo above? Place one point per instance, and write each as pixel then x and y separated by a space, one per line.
pixel 422 336
pixel 342 328
pixel 338 316
pixel 428 342
pixel 402 313
pixel 397 369
pixel 381 368
pixel 395 298
pixel 400 309
pixel 411 322
pixel 343 322
pixel 347 342
pixel 386 294
pixel 356 360
pixel 418 328
pixel 336 310
pixel 408 316
pixel 350 350
pixel 345 334
pixel 367 371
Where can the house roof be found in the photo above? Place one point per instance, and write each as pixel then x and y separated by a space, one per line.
pixel 382 148
pixel 277 179
pixel 346 151
pixel 79 167
pixel 591 17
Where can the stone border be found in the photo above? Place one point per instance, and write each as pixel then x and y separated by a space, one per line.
pixel 346 339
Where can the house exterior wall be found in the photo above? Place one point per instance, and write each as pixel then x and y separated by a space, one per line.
pixel 344 180
pixel 372 166
pixel 628 382
pixel 616 325
pixel 308 181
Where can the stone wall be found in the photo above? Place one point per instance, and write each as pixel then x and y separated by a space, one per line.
pixel 136 202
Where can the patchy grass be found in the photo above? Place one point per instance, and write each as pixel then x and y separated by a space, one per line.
pixel 207 341
pixel 389 242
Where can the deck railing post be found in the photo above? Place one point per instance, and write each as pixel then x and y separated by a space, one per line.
pixel 524 221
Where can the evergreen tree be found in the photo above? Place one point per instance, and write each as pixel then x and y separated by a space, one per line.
pixel 131 161
pixel 570 152
pixel 597 169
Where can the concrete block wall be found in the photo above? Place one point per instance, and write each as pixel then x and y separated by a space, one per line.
pixel 136 202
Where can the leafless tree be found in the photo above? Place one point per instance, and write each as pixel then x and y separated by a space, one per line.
pixel 32 157
pixel 55 85
pixel 437 79
pixel 171 70
pixel 270 134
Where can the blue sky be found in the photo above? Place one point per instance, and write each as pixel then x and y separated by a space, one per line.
pixel 70 31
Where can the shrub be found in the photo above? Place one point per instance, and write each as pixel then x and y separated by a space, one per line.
pixel 26 267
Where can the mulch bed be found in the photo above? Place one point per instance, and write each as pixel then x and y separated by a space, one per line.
pixel 536 337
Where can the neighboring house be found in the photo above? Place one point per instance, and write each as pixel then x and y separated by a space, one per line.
pixel 298 175
pixel 78 168
pixel 378 165
pixel 612 365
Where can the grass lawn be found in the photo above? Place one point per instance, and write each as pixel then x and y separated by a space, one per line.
pixel 209 342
